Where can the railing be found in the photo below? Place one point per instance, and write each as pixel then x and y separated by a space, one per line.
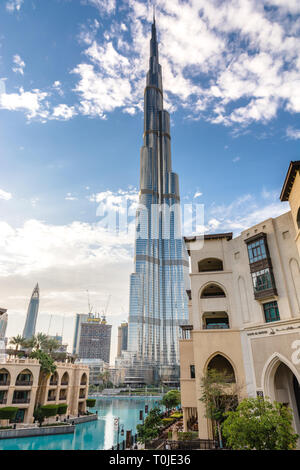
pixel 24 383
pixel 62 398
pixel 4 383
pixel 83 383
pixel 216 326
pixel 64 383
pixel 3 401
pixel 82 396
pixel 53 383
pixel 51 398
pixel 21 400
pixel 197 444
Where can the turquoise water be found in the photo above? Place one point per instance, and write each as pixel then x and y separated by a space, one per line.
pixel 96 435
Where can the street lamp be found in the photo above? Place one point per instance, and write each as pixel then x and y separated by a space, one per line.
pixel 120 430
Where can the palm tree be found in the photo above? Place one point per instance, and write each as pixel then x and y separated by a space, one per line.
pixel 50 345
pixel 17 341
pixel 38 341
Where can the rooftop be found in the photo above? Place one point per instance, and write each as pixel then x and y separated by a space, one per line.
pixel 289 180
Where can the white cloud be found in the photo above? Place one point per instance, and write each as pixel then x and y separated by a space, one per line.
pixel 229 62
pixel 70 197
pixel 197 194
pixel 64 112
pixel 236 159
pixel 292 133
pixel 31 102
pixel 104 6
pixel 19 64
pixel 12 5
pixel 5 195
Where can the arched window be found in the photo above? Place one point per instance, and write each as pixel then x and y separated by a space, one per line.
pixel 298 218
pixel 54 379
pixel 4 378
pixel 210 264
pixel 65 379
pixel 215 321
pixel 25 378
pixel 221 365
pixel 83 379
pixel 212 290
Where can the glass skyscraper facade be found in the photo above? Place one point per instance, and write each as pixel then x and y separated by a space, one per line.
pixel 158 299
pixel 32 313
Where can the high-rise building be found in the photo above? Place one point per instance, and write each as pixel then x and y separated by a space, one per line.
pixel 95 338
pixel 80 318
pixel 158 299
pixel 3 326
pixel 122 338
pixel 32 313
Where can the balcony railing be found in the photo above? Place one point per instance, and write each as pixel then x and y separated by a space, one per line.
pixel 82 395
pixel 24 383
pixel 83 383
pixel 3 401
pixel 62 398
pixel 51 398
pixel 4 383
pixel 54 383
pixel 21 400
pixel 65 382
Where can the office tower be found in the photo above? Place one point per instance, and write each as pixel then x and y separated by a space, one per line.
pixel 158 299
pixel 95 338
pixel 32 313
pixel 80 318
pixel 122 338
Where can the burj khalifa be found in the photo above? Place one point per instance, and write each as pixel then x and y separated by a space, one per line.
pixel 158 298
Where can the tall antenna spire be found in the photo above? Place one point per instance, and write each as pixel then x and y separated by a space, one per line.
pixel 153 13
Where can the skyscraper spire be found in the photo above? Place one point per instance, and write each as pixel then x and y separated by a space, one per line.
pixel 158 300
pixel 32 313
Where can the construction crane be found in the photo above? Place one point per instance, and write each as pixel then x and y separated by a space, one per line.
pixel 105 310
pixel 89 304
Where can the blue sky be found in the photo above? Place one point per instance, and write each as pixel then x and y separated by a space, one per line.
pixel 72 74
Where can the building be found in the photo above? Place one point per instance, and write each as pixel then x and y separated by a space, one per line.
pixel 122 338
pixel 62 348
pixel 32 313
pixel 19 387
pixel 96 367
pixel 291 193
pixel 3 326
pixel 95 339
pixel 80 318
pixel 244 314
pixel 158 300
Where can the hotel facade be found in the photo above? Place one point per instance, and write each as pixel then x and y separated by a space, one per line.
pixel 20 387
pixel 244 312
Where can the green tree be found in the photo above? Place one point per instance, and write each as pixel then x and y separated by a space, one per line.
pixel 171 399
pixel 151 427
pixel 39 415
pixel 17 341
pixel 48 368
pixel 258 424
pixel 50 345
pixel 90 402
pixel 38 342
pixel 219 396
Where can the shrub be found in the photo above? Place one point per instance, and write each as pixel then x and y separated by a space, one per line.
pixel 62 409
pixel 167 421
pixel 187 436
pixel 176 415
pixel 90 402
pixel 8 412
pixel 49 410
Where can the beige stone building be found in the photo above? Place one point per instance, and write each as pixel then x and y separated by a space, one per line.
pixel 244 312
pixel 19 387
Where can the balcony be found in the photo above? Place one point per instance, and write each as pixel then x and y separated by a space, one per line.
pixel 21 401
pixel 24 383
pixel 64 383
pixel 53 383
pixel 63 398
pixel 51 399
pixel 3 401
pixel 82 396
pixel 4 383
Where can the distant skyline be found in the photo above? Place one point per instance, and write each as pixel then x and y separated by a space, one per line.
pixel 72 76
